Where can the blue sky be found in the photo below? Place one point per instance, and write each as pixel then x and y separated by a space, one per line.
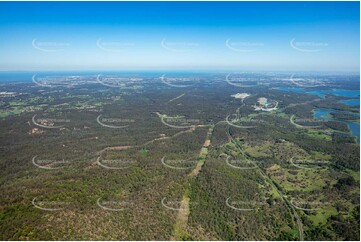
pixel 287 36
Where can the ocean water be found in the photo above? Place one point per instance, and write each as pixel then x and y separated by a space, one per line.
pixel 337 92
pixel 322 93
pixel 16 76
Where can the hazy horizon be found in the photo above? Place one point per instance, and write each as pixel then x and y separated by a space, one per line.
pixel 186 36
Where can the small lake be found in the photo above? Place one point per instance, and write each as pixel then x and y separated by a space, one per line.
pixel 351 102
pixel 324 114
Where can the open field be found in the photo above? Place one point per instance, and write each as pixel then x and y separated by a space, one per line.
pixel 102 163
